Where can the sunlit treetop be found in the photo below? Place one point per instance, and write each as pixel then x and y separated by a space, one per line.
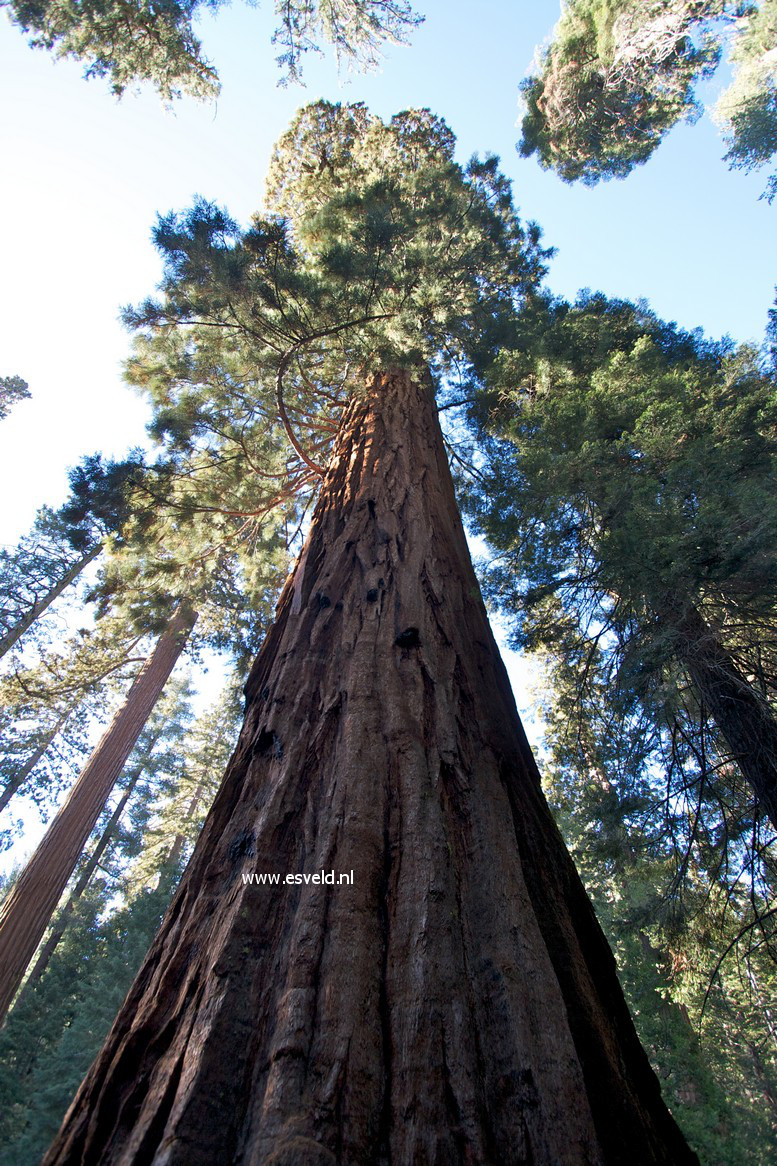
pixel 747 109
pixel 377 250
pixel 12 390
pixel 134 41
pixel 616 76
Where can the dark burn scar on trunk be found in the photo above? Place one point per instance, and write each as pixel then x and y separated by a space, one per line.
pixel 409 638
pixel 241 846
pixel 268 743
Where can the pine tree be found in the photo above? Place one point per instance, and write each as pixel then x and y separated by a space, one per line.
pixel 63 543
pixel 26 911
pixel 12 389
pixel 630 481
pixel 619 74
pixel 458 1002
pixel 139 41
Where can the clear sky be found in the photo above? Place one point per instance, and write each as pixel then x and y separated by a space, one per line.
pixel 84 176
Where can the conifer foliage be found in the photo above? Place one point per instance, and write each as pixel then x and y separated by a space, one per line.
pixel 154 40
pixel 619 74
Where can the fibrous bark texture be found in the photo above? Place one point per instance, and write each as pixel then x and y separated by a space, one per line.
pixel 29 905
pixel 458 1003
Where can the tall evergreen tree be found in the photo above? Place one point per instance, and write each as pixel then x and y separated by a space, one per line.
pixel 619 74
pixel 27 910
pixel 63 543
pixel 48 705
pixel 458 1002
pixel 86 965
pixel 12 389
pixel 631 481
pixel 143 41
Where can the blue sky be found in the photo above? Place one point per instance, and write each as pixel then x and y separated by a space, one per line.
pixel 84 176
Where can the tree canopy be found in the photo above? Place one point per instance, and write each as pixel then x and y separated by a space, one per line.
pixel 155 41
pixel 618 74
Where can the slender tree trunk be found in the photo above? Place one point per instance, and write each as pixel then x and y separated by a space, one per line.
pixel 743 717
pixel 27 910
pixel 176 850
pixel 458 1003
pixel 39 606
pixel 66 914
pixel 24 772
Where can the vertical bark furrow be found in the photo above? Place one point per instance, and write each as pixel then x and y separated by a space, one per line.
pixel 426 1014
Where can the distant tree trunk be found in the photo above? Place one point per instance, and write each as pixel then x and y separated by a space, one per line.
pixel 66 914
pixel 743 717
pixel 458 1003
pixel 26 769
pixel 27 910
pixel 176 850
pixel 39 606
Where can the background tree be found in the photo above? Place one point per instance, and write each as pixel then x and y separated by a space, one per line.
pixel 629 478
pixel 63 543
pixel 631 481
pixel 62 1015
pixel 619 74
pixel 702 1015
pixel 747 109
pixel 49 705
pixel 12 389
pixel 155 41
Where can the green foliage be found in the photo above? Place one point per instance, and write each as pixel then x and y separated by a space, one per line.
pixel 134 41
pixel 98 505
pixel 53 1033
pixel 46 1048
pixel 617 75
pixel 748 108
pixel 380 249
pixel 627 477
pixel 12 390
pixel 705 1024
pixel 127 43
pixel 355 28
pixel 49 706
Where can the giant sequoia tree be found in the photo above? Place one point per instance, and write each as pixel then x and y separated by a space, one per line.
pixel 458 1002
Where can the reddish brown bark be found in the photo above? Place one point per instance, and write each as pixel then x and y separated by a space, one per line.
pixel 66 914
pixel 27 909
pixel 457 1004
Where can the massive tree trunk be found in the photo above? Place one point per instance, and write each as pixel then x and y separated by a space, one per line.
pixel 458 1003
pixel 28 907
pixel 37 609
pixel 741 714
